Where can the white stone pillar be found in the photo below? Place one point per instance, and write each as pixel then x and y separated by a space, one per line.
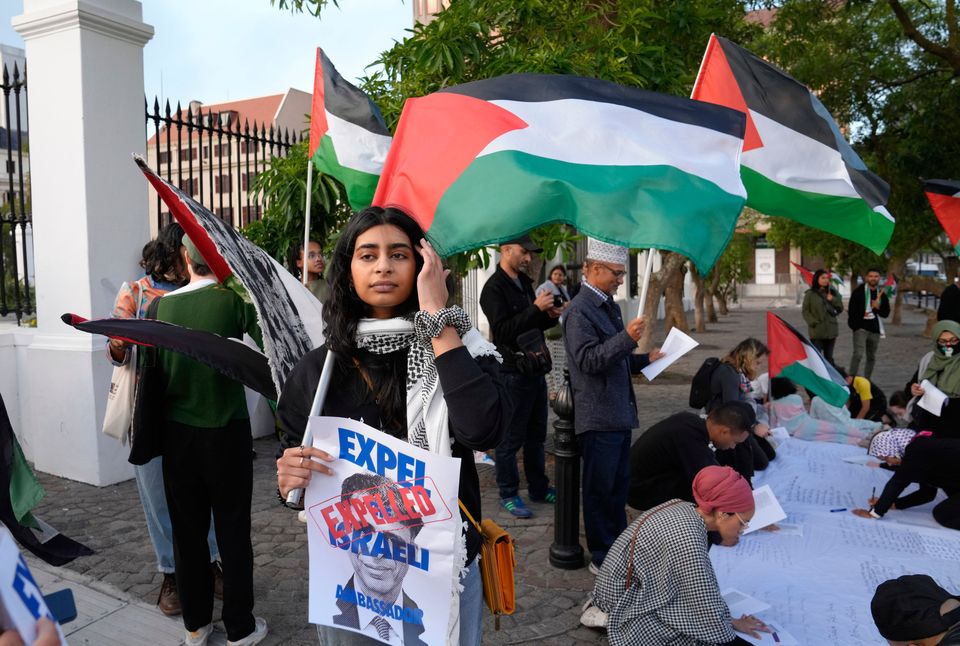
pixel 89 201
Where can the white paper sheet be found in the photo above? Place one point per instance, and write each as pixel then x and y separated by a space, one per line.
pixel 780 435
pixel 675 346
pixel 741 603
pixel 933 398
pixel 768 509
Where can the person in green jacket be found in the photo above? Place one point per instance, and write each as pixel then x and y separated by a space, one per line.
pixel 821 306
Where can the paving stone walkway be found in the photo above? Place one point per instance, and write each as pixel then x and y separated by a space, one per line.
pixel 110 519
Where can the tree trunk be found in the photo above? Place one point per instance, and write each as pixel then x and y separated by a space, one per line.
pixel 951 267
pixel 670 267
pixel 896 268
pixel 711 292
pixel 722 303
pixel 699 297
pixel 674 316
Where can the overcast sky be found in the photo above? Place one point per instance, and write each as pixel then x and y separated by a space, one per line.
pixel 218 50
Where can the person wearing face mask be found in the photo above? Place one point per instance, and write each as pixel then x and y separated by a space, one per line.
pixel 941 367
pixel 657 584
pixel 921 459
pixel 868 304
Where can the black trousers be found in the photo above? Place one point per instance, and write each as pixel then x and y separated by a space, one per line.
pixel 208 469
pixel 826 347
pixel 947 513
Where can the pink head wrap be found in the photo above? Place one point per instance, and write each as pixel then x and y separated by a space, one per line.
pixel 722 488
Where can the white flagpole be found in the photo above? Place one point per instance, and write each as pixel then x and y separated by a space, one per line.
pixel 319 397
pixel 306 221
pixel 646 281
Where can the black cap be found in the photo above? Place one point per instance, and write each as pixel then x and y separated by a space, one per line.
pixel 525 242
pixel 908 608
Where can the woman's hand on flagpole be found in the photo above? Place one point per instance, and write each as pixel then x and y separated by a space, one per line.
pixel 297 464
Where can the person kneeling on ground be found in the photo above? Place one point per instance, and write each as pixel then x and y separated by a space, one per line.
pixel 930 462
pixel 657 584
pixel 914 611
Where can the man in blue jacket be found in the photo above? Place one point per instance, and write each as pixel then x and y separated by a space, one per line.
pixel 601 358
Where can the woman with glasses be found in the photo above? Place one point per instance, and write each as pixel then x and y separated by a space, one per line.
pixel 940 367
pixel 657 584
pixel 404 363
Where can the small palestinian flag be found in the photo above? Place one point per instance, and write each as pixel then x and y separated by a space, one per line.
pixel 944 196
pixel 794 357
pixel 796 163
pixel 805 273
pixel 348 137
pixel 484 162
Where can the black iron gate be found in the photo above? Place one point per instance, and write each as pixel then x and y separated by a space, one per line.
pixel 16 227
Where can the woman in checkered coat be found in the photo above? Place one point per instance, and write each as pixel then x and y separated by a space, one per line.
pixel 657 584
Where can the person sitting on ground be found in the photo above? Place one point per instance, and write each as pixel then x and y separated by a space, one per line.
pixel 897 415
pixel 913 610
pixel 657 584
pixel 787 410
pixel 866 401
pixel 927 461
pixel 665 459
pixel 840 415
pixel 941 367
pixel 730 381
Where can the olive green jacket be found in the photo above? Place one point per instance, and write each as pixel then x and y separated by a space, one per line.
pixel 821 315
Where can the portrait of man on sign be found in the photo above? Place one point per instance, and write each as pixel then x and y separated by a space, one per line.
pixel 373 600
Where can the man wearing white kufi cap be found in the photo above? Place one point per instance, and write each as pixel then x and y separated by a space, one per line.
pixel 601 357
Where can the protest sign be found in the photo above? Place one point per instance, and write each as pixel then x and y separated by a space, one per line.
pixel 382 533
pixel 21 603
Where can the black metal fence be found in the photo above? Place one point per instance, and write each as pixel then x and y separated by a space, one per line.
pixel 16 226
pixel 209 154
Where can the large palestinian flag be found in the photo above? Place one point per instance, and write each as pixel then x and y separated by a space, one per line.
pixel 796 163
pixel 348 138
pixel 794 357
pixel 944 196
pixel 484 162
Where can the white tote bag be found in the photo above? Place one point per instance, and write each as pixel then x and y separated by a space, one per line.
pixel 123 382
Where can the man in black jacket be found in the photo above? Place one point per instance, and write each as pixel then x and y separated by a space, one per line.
pixel 868 304
pixel 914 609
pixel 512 308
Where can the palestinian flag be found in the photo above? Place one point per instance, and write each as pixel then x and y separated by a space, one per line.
pixel 484 162
pixel 805 273
pixel 348 138
pixel 289 316
pixel 19 494
pixel 944 196
pixel 794 357
pixel 796 163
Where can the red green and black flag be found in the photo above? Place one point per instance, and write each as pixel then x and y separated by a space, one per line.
pixel 794 357
pixel 944 196
pixel 484 162
pixel 796 162
pixel 348 137
pixel 19 494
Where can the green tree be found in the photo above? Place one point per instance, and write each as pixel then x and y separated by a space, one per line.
pixel 888 73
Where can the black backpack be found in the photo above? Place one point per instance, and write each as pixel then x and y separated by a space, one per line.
pixel 700 393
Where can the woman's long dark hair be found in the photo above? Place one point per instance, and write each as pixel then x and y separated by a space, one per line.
pixel 815 284
pixel 161 259
pixel 344 309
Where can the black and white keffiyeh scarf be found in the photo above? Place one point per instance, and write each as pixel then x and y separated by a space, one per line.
pixel 427 415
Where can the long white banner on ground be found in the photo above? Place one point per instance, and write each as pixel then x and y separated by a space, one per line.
pixel 820 574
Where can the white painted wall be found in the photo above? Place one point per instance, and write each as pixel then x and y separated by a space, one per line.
pixel 89 215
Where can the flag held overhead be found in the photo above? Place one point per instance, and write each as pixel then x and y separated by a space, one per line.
pixel 796 163
pixel 484 162
pixel 944 196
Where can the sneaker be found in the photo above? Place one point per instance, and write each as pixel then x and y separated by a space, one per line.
pixel 217 579
pixel 591 616
pixel 550 497
pixel 516 507
pixel 482 458
pixel 169 599
pixel 258 635
pixel 594 568
pixel 198 637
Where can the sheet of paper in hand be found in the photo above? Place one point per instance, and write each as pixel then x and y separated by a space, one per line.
pixel 382 533
pixel 21 602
